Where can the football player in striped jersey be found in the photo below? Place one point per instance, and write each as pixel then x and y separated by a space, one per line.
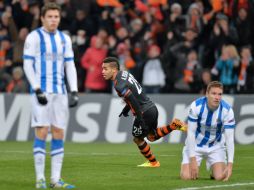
pixel 211 125
pixel 47 54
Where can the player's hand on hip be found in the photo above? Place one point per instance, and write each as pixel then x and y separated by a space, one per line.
pixel 73 101
pixel 41 97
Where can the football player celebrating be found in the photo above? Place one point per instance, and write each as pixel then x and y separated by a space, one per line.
pixel 144 110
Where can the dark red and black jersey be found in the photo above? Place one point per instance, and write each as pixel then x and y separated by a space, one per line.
pixel 124 84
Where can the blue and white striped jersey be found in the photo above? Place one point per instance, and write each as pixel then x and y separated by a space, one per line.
pixel 210 124
pixel 49 53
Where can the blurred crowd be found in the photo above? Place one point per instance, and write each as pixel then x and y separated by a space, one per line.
pixel 170 46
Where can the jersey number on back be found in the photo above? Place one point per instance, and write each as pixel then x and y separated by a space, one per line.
pixel 132 80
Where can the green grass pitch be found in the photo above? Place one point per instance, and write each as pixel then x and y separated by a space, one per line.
pixel 103 166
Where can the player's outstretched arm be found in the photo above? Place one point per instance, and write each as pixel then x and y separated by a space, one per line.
pixel 229 134
pixel 191 143
pixel 228 171
pixel 193 168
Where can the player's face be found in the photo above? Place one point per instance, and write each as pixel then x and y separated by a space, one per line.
pixel 214 97
pixel 107 71
pixel 51 20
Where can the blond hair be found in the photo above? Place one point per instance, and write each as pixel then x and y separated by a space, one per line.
pixel 233 53
pixel 214 84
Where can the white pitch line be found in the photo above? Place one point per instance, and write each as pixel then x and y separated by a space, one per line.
pixel 217 186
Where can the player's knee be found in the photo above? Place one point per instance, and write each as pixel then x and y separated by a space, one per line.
pixel 57 133
pixel 151 138
pixel 137 140
pixel 42 132
pixel 185 176
pixel 219 177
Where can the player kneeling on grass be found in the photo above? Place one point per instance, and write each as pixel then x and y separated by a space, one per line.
pixel 211 124
pixel 145 111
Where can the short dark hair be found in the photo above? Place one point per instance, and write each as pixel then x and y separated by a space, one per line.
pixel 50 6
pixel 213 84
pixel 113 61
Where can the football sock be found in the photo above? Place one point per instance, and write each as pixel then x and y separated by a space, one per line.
pixel 39 158
pixel 163 131
pixel 57 154
pixel 145 150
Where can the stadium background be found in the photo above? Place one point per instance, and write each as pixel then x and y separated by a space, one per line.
pixel 186 43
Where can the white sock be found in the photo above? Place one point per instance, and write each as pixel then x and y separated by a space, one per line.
pixel 57 155
pixel 39 158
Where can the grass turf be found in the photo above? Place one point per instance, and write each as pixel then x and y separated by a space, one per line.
pixel 103 166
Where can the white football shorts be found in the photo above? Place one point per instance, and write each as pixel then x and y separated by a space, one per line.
pixel 55 112
pixel 212 155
